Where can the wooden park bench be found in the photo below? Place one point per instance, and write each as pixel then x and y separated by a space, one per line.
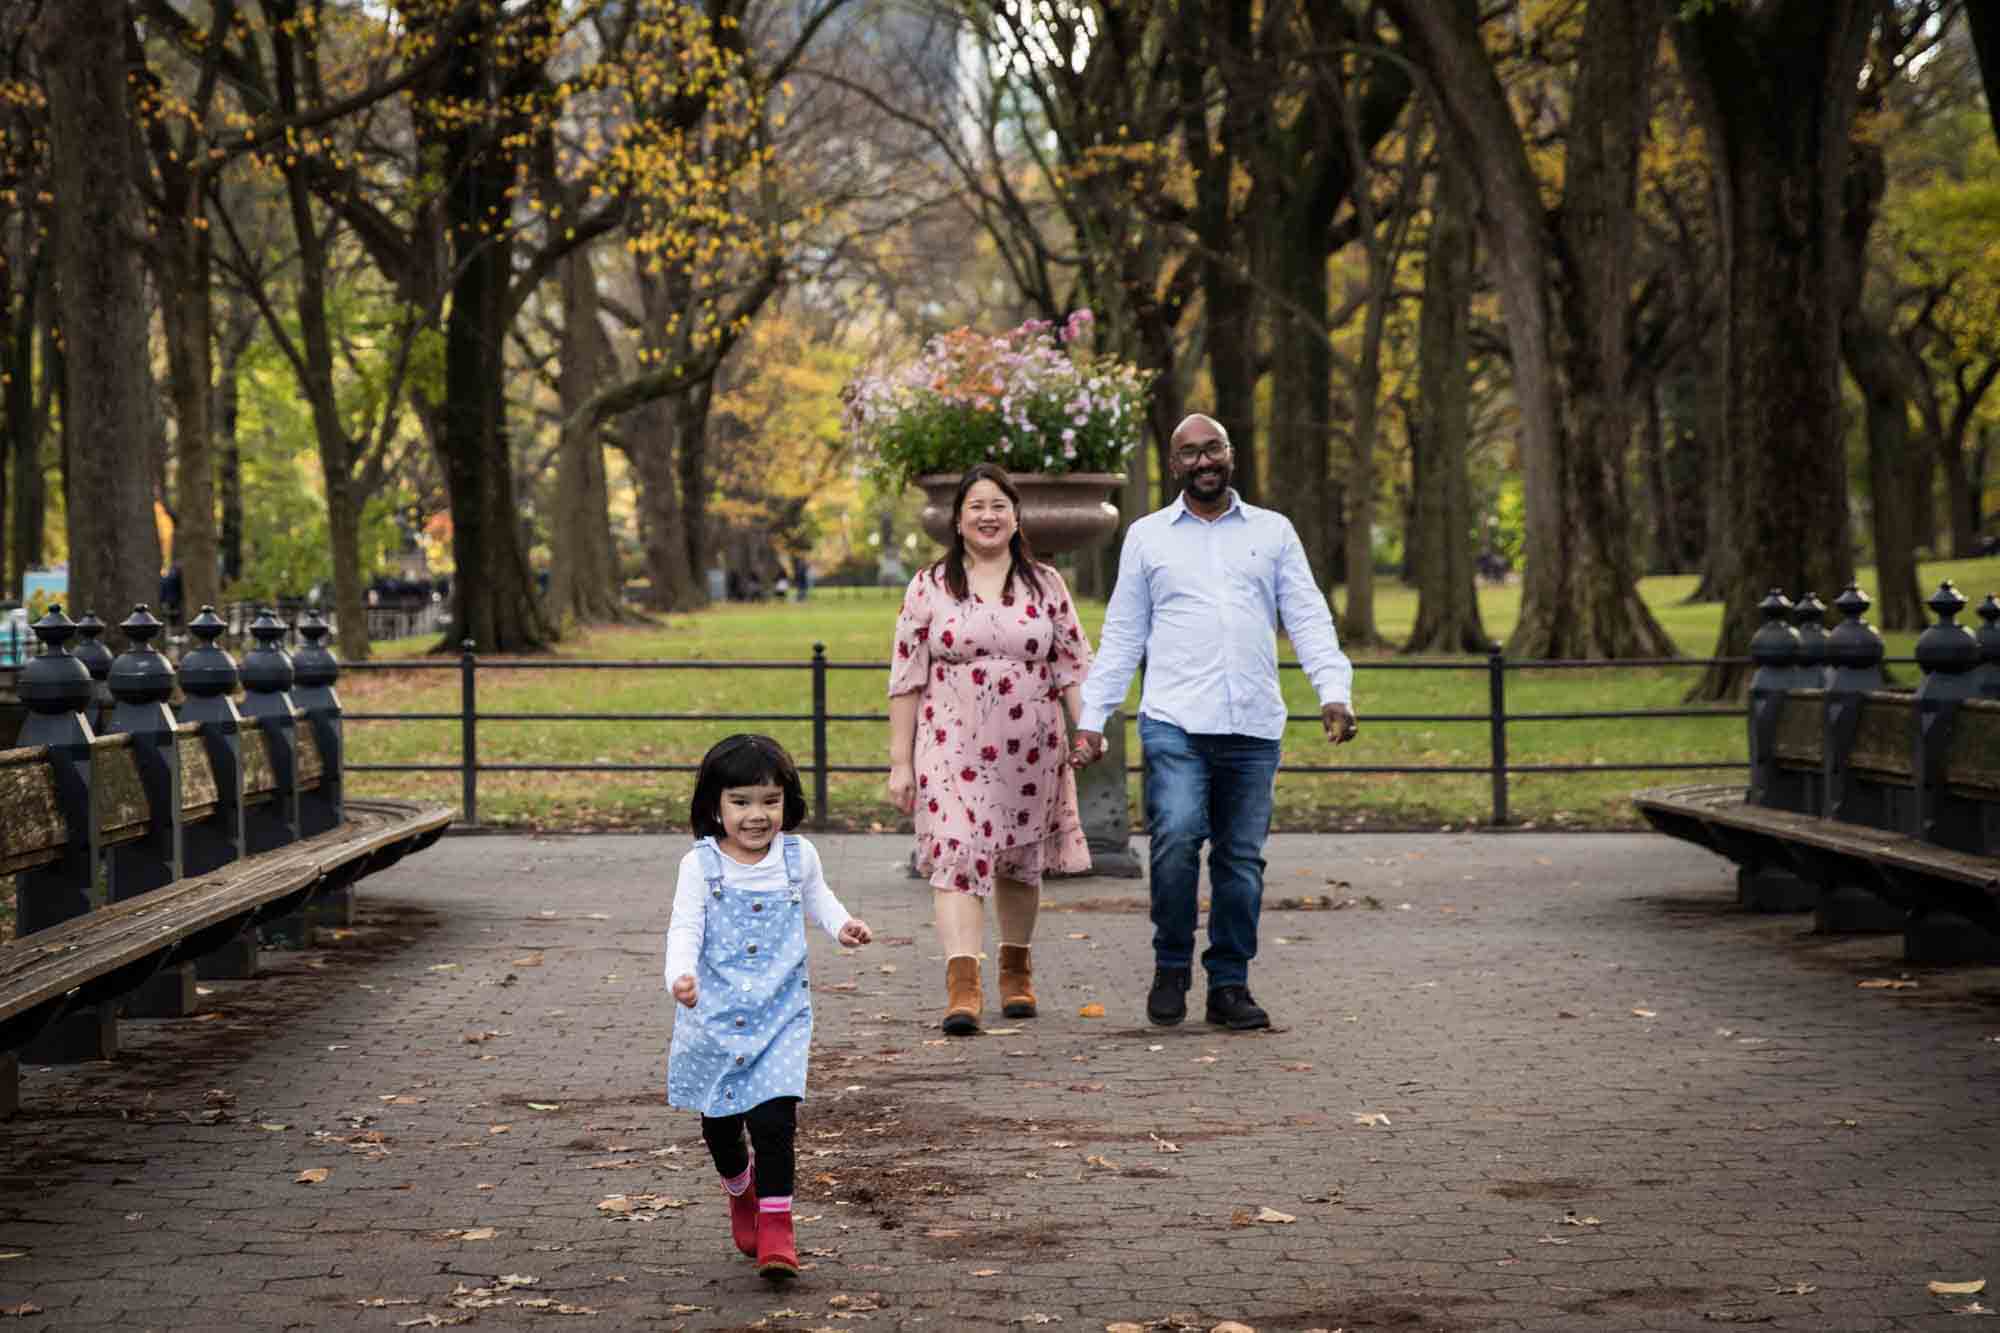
pixel 152 851
pixel 1870 806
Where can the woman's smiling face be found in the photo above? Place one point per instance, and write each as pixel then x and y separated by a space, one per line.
pixel 986 519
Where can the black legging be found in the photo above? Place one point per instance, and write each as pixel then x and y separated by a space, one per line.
pixel 773 1126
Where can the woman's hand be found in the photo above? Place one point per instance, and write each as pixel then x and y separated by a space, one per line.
pixel 903 787
pixel 855 933
pixel 685 990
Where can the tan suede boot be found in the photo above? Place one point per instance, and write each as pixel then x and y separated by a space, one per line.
pixel 1017 982
pixel 964 997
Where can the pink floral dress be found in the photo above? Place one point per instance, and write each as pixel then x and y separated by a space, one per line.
pixel 994 797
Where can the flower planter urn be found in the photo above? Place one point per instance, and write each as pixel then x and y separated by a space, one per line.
pixel 1059 512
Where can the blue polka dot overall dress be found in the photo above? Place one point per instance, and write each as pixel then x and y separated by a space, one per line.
pixel 745 1041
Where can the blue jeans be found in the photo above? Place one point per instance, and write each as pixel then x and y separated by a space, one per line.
pixel 1214 789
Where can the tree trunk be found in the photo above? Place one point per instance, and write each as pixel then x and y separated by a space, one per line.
pixel 186 314
pixel 1578 594
pixel 650 450
pixel 1301 385
pixel 1872 359
pixel 100 303
pixel 493 594
pixel 229 457
pixel 29 531
pixel 689 413
pixel 1232 370
pixel 583 563
pixel 1776 89
pixel 1447 597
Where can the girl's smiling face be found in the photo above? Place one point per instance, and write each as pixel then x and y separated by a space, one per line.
pixel 751 817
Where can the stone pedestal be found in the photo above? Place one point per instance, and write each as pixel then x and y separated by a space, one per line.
pixel 1767 889
pixel 167 994
pixel 1849 907
pixel 91 1034
pixel 234 961
pixel 1945 938
pixel 1101 800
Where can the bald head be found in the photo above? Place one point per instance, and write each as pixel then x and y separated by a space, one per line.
pixel 1198 426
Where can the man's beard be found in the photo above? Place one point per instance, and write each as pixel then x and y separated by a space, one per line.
pixel 1195 483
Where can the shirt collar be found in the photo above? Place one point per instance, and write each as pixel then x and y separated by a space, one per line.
pixel 1179 509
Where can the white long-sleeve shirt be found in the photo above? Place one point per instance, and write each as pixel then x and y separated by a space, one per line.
pixel 1201 602
pixel 687 926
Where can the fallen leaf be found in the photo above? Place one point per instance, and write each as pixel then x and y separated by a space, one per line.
pixel 1231 1326
pixel 1086 1087
pixel 1644 1013
pixel 498 1129
pixel 384 1302
pixel 1972 1307
pixel 311 1176
pixel 402 1099
pixel 1370 1118
pixel 1299 1068
pixel 1572 1220
pixel 1079 934
pixel 1162 1145
pixel 1036 1318
pixel 444 967
pixel 1124 1326
pixel 13 1254
pixel 887 969
pixel 1550 1240
pixel 1092 1010
pixel 1002 1032
pixel 1886 983
pixel 977 1272
pixel 1735 1317
pixel 21 1311
pixel 437 1320
pixel 526 960
pixel 1796 1289
pixel 1272 1215
pixel 1972 1288
pixel 1100 1162
pixel 480 1233
pixel 545 1106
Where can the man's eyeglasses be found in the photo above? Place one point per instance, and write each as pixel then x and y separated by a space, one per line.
pixel 1194 451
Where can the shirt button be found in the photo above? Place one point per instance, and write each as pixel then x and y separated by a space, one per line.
pixel 739 1023
pixel 753 948
pixel 739 1059
pixel 756 907
pixel 715 893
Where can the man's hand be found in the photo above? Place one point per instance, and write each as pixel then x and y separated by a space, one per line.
pixel 903 787
pixel 1338 719
pixel 685 990
pixel 1087 749
pixel 855 933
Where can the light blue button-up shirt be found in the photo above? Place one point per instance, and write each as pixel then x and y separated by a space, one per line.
pixel 1201 602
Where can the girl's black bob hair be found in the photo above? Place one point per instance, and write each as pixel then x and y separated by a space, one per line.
pixel 744 760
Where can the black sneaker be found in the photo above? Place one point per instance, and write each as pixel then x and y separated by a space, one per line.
pixel 1232 1007
pixel 1166 1003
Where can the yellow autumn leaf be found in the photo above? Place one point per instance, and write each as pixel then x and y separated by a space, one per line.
pixel 312 1176
pixel 1092 1010
pixel 1958 1288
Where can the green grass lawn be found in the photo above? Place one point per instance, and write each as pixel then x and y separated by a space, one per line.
pixel 855 627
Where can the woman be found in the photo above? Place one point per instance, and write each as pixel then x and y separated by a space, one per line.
pixel 988 655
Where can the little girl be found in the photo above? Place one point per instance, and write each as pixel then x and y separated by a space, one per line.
pixel 736 961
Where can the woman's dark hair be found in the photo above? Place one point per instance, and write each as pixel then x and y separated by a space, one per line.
pixel 1022 561
pixel 744 760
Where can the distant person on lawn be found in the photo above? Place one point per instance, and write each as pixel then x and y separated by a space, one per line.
pixel 1202 585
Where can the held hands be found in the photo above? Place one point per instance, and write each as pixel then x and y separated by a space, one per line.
pixel 903 787
pixel 854 934
pixel 685 990
pixel 1340 723
pixel 1087 749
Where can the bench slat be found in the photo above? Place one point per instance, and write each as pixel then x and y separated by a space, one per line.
pixel 1882 737
pixel 199 794
pixel 309 766
pixel 1801 730
pixel 1725 806
pixel 1972 765
pixel 32 830
pixel 122 811
pixel 39 968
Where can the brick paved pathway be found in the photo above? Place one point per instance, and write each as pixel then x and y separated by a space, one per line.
pixel 1519 1083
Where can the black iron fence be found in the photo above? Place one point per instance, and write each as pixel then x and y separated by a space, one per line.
pixel 821 764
